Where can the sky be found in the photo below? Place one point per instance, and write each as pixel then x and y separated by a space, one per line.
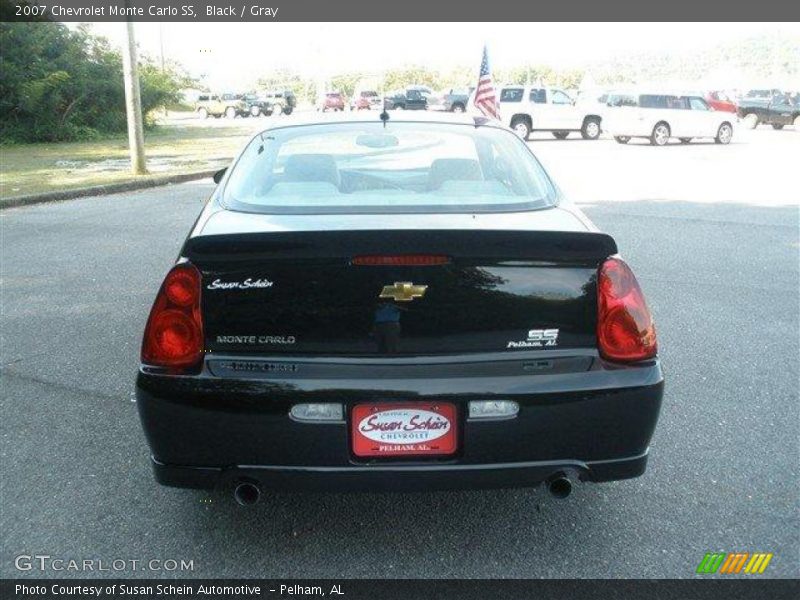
pixel 234 55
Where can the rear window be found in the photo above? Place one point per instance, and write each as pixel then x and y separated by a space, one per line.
pixel 622 100
pixel 663 101
pixel 538 96
pixel 333 95
pixel 511 95
pixel 402 167
pixel 761 93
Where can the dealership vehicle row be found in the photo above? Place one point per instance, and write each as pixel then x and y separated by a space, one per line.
pixel 656 115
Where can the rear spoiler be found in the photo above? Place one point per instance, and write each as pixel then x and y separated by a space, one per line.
pixel 547 246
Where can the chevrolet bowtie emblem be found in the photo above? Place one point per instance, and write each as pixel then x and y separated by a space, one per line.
pixel 403 291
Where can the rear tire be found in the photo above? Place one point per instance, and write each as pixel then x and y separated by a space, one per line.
pixel 750 120
pixel 560 135
pixel 685 140
pixel 724 134
pixel 591 129
pixel 255 111
pixel 777 126
pixel 521 127
pixel 458 107
pixel 230 112
pixel 661 134
pixel 202 113
pixel 622 139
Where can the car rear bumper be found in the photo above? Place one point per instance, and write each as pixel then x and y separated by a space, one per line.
pixel 593 424
pixel 407 478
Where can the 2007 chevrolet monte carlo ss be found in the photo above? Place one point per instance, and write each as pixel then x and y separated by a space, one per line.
pixel 396 303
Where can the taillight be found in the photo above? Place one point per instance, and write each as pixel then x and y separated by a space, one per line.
pixel 625 329
pixel 173 337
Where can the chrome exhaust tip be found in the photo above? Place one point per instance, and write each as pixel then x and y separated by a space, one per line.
pixel 559 487
pixel 247 494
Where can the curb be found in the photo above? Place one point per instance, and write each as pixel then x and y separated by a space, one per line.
pixel 102 190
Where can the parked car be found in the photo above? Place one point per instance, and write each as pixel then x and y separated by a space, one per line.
pixel 366 100
pixel 719 100
pixel 660 117
pixel 763 94
pixel 332 101
pixel 456 100
pixel 530 108
pixel 779 109
pixel 258 105
pixel 216 105
pixel 411 98
pixel 283 101
pixel 396 304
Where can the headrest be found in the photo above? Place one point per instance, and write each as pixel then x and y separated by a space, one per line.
pixel 453 169
pixel 311 167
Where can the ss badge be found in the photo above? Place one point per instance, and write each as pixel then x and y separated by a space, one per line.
pixel 548 337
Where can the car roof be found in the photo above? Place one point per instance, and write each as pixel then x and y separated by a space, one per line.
pixel 529 86
pixel 394 117
pixel 657 92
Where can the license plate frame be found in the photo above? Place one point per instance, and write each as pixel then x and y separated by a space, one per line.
pixel 413 429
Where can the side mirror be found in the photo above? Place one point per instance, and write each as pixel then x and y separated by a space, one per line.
pixel 219 175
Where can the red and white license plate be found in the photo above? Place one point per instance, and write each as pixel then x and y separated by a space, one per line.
pixel 404 429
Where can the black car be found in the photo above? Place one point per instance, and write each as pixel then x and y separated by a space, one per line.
pixel 258 105
pixel 412 98
pixel 770 107
pixel 401 304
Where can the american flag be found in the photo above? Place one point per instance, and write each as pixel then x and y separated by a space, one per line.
pixel 485 96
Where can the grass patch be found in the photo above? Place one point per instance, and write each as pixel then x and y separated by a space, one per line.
pixel 174 148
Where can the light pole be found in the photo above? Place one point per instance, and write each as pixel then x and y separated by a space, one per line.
pixel 133 101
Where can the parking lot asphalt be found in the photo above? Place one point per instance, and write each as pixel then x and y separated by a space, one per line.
pixel 712 233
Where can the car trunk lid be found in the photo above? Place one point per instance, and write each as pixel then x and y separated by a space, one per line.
pixel 370 292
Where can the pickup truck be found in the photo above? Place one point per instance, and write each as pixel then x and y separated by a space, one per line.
pixel 777 109
pixel 531 108
pixel 411 98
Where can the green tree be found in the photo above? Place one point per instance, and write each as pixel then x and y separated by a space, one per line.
pixel 405 76
pixel 60 84
pixel 284 79
pixel 346 83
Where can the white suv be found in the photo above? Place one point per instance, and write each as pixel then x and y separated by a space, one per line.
pixel 533 108
pixel 661 116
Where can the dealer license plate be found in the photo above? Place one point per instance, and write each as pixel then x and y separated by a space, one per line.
pixel 404 429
